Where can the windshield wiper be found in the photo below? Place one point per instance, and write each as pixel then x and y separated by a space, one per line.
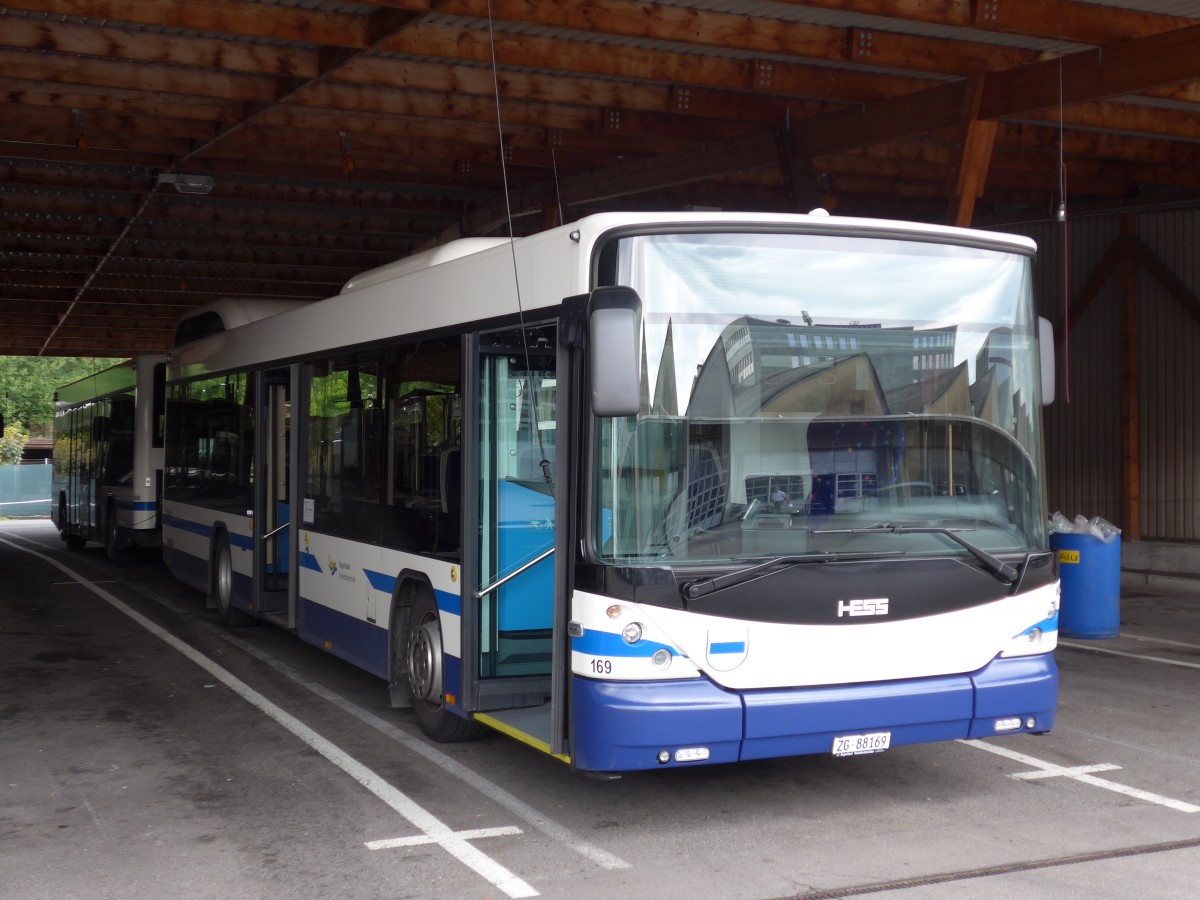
pixel 1002 570
pixel 692 590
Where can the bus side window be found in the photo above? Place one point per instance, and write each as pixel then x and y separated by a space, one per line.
pixel 423 484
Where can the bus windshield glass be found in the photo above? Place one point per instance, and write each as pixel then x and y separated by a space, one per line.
pixel 819 394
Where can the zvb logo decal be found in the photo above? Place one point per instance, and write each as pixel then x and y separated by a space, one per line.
pixel 877 607
pixel 333 566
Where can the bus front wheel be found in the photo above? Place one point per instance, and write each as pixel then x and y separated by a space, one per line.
pixel 426 669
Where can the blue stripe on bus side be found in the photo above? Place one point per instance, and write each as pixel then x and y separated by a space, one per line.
pixel 309 561
pixel 386 584
pixel 188 525
pixel 364 643
pixel 137 505
pixel 241 541
pixel 604 643
pixel 380 582
pixel 449 603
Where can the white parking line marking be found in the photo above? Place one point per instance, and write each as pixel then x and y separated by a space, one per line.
pixel 1051 770
pixel 1158 659
pixel 1163 641
pixel 437 831
pixel 418 839
pixel 492 791
pixel 1059 773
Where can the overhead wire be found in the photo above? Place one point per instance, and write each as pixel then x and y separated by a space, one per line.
pixel 544 463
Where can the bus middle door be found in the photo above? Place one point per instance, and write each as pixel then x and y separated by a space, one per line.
pixel 274 538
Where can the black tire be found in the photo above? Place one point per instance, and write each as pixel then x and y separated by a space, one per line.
pixel 62 517
pixel 426 669
pixel 75 542
pixel 222 587
pixel 112 535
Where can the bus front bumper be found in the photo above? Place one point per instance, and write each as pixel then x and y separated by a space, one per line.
pixel 625 726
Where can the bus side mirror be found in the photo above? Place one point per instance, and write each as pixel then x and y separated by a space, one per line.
pixel 615 351
pixel 1046 352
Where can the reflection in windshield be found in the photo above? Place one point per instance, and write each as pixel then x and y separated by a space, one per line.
pixel 797 384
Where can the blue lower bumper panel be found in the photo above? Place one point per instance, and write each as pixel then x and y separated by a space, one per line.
pixel 623 726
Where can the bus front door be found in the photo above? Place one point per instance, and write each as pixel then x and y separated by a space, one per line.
pixel 512 612
pixel 273 535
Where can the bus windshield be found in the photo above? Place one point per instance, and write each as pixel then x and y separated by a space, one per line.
pixel 816 393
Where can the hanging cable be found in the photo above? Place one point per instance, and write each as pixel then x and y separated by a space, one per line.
pixel 533 398
pixel 1062 219
pixel 557 191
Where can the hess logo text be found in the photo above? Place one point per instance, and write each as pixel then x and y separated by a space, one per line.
pixel 878 607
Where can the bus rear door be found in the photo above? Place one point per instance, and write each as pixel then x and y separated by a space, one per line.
pixel 274 538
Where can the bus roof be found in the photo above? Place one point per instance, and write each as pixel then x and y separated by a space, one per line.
pixel 477 279
pixel 228 313
pixel 114 379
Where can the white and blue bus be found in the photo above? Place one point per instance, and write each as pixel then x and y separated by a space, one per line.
pixel 646 490
pixel 108 456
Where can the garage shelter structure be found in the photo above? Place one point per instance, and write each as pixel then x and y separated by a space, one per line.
pixel 159 154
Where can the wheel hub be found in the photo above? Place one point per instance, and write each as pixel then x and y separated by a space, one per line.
pixel 425 661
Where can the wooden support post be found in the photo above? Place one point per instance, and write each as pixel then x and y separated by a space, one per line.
pixel 1131 455
pixel 972 156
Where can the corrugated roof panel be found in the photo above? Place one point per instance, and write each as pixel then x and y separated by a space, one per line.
pixel 807 15
pixel 1188 9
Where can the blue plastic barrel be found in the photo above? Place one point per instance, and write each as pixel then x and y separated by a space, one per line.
pixel 1090 571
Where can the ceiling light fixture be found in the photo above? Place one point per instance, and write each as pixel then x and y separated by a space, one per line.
pixel 187 184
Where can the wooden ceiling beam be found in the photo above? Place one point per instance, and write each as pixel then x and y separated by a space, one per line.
pixel 1080 22
pixel 681 25
pixel 135 76
pixel 219 236
pixel 972 154
pixel 111 41
pixel 229 17
pixel 1133 119
pixel 1121 69
pixel 162 267
pixel 41 313
pixel 86 180
pixel 21 92
pixel 100 121
pixel 134 285
pixel 1128 67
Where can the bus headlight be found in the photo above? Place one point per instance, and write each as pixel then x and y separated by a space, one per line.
pixel 632 633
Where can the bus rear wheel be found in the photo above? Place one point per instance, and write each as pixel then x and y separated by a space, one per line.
pixel 222 587
pixel 426 672
pixel 62 517
pixel 112 535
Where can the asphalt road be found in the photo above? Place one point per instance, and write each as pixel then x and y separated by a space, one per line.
pixel 146 752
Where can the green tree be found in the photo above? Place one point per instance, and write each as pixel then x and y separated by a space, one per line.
pixel 28 383
pixel 12 442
